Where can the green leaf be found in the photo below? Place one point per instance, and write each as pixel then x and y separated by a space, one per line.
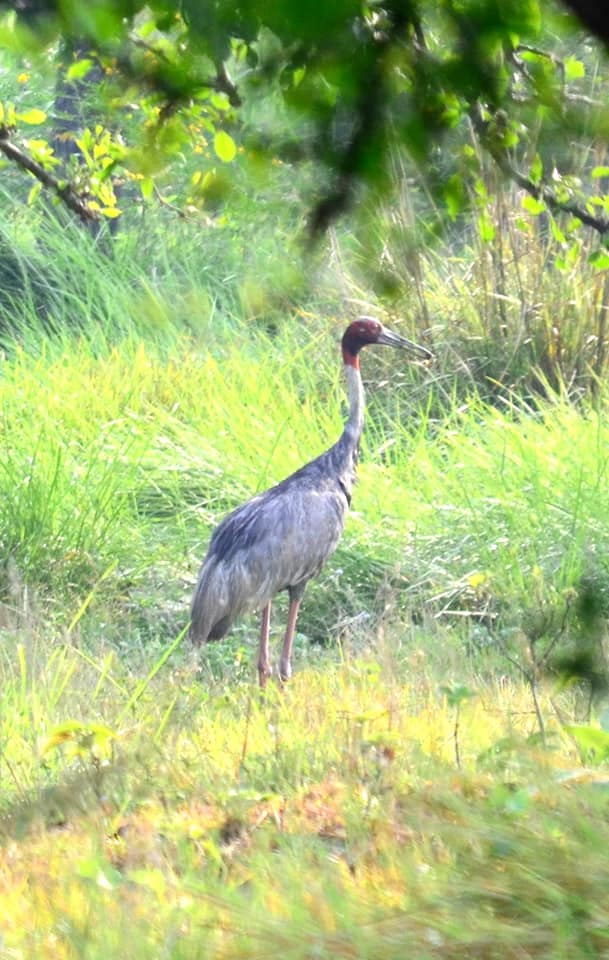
pixel 486 227
pixel 74 731
pixel 454 195
pixel 557 232
pixel 574 69
pixel 600 261
pixel 34 193
pixel 591 741
pixel 481 188
pixel 510 139
pixel 598 172
pixel 536 169
pixel 224 146
pixel 79 69
pixel 99 872
pixel 457 693
pixel 147 187
pixel 220 101
pixel 522 17
pixel 32 116
pixel 533 205
pixel 569 257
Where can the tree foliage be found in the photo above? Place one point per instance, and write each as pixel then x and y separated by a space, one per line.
pixel 340 84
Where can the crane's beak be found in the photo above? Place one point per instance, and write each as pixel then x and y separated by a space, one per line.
pixel 391 339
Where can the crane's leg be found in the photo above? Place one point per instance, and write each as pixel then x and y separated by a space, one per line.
pixel 285 661
pixel 264 661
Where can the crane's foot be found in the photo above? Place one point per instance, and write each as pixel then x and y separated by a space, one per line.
pixel 285 670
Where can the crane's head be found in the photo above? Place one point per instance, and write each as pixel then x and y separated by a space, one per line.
pixel 367 330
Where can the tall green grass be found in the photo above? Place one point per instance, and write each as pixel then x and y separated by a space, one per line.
pixel 116 465
pixel 142 396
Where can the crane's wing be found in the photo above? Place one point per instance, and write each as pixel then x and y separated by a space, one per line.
pixel 284 535
pixel 277 540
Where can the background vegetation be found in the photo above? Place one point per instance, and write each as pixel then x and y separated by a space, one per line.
pixel 433 780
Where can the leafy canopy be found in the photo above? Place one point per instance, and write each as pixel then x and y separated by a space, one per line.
pixel 338 83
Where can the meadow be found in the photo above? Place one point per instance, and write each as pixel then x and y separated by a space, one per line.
pixel 433 780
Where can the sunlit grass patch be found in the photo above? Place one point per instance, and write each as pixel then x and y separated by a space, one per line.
pixel 332 816
pixel 117 465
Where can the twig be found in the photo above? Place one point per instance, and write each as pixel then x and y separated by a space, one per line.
pixel 180 212
pixel 541 192
pixel 558 635
pixel 170 206
pixel 545 54
pixel 63 190
pixel 224 84
pixel 530 677
pixel 221 82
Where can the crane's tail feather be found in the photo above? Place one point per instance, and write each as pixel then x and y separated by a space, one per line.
pixel 220 629
pixel 209 618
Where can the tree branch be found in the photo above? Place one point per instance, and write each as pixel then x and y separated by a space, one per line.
pixel 542 192
pixel 222 83
pixel 63 190
pixel 538 190
pixel 368 111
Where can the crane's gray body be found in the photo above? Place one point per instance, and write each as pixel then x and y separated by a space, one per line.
pixel 281 538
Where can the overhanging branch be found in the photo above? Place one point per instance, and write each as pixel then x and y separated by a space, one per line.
pixel 539 191
pixel 547 195
pixel 61 189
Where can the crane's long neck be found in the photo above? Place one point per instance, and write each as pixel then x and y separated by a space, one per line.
pixel 355 423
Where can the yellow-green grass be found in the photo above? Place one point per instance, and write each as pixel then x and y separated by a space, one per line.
pixel 187 819
pixel 152 804
pixel 116 463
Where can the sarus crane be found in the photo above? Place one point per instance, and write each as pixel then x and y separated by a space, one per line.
pixel 281 538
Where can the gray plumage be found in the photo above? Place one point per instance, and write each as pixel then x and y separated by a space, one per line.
pixel 281 538
pixel 276 541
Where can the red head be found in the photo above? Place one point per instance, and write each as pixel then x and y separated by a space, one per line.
pixel 367 330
